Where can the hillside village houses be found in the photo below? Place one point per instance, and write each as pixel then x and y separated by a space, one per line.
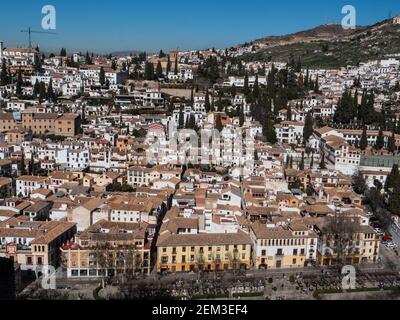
pixel 88 166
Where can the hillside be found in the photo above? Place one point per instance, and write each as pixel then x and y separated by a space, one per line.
pixel 330 46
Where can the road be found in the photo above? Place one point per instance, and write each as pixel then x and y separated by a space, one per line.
pixel 395 232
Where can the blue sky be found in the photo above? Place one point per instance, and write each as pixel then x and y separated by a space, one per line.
pixel 104 26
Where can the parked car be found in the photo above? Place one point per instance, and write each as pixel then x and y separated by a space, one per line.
pixel 390 245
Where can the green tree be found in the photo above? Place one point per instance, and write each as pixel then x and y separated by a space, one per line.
pixel 102 76
pixel 159 70
pixel 316 86
pixel 149 71
pixel 36 89
pixel 168 65
pixel 322 164
pixel 233 91
pixel 19 84
pixel 392 143
pixel 218 123
pixel 380 140
pixel 23 169
pixel 192 122
pixel 32 166
pixel 289 113
pixel 246 87
pixel 301 165
pixel 42 91
pixel 207 105
pixel 308 127
pixel 394 200
pixel 50 92
pixel 63 52
pixel 88 60
pixel 346 110
pixel 393 178
pixel 359 183
pixel 241 116
pixel 256 88
pixel 312 162
pixel 181 119
pixel 176 65
pixel 364 139
pixel 269 131
pixel 4 79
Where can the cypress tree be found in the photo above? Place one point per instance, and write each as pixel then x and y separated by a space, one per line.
pixel 88 60
pixel 169 65
pixel 159 70
pixel 308 127
pixel 392 144
pixel 23 169
pixel 218 123
pixel 322 164
pixel 393 178
pixel 233 91
pixel 149 71
pixel 32 166
pixel 364 139
pixel 42 91
pixel 241 116
pixel 192 97
pixel 207 105
pixel 246 87
pixel 256 89
pixel 102 76
pixel 176 65
pixel 289 113
pixel 394 200
pixel 36 89
pixel 301 165
pixel 4 79
pixel 380 141
pixel 19 84
pixel 307 78
pixel 192 122
pixel 316 86
pixel 181 120
pixel 50 91
pixel 312 161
